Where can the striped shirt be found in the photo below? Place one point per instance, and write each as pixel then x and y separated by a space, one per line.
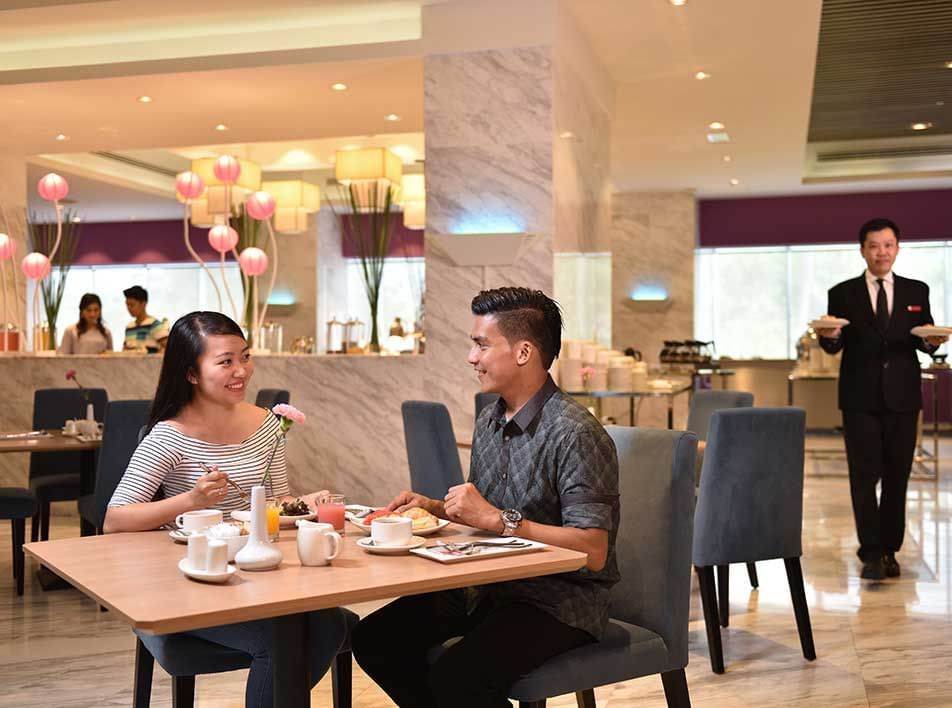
pixel 169 458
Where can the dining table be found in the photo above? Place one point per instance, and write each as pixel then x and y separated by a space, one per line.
pixel 136 576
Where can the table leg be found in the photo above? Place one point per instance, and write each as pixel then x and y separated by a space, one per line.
pixel 631 411
pixel 87 472
pixel 292 661
pixel 670 412
pixel 789 391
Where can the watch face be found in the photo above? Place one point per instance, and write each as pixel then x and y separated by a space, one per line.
pixel 511 516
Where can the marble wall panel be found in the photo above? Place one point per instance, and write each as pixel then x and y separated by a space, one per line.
pixel 13 222
pixel 297 275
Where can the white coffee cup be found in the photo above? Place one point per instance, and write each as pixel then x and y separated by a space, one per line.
pixel 197 551
pixel 70 427
pixel 198 520
pixel 317 543
pixel 391 531
pixel 217 556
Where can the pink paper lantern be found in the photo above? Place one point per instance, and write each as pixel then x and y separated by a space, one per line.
pixel 222 238
pixel 8 247
pixel 52 187
pixel 227 168
pixel 253 261
pixel 189 185
pixel 35 265
pixel 260 206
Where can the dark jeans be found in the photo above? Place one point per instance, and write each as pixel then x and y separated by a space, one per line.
pixel 879 447
pixel 498 645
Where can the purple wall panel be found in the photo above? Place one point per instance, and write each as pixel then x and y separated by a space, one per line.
pixel 404 242
pixel 924 215
pixel 140 242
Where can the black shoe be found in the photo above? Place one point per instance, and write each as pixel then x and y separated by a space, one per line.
pixel 872 570
pixel 890 566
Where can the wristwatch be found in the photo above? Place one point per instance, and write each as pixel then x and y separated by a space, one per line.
pixel 511 518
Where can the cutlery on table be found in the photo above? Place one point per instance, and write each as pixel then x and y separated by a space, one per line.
pixel 459 547
pixel 241 492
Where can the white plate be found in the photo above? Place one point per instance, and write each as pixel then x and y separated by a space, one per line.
pixel 286 522
pixel 435 553
pixel 931 331
pixel 831 323
pixel 203 576
pixel 179 536
pixel 440 524
pixel 367 545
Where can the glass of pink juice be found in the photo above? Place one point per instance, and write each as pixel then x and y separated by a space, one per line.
pixel 330 510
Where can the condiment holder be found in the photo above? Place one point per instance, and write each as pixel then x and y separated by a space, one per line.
pixel 258 553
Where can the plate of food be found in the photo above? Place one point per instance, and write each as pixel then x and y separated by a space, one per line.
pixel 828 322
pixel 931 331
pixel 290 513
pixel 424 523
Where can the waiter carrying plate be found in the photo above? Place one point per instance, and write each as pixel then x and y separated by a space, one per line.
pixel 879 320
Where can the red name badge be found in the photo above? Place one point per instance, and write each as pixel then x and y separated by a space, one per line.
pixel 914 308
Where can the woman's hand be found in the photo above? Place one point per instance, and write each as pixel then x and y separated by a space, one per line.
pixel 314 498
pixel 210 489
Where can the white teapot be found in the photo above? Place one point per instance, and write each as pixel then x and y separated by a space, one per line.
pixel 317 544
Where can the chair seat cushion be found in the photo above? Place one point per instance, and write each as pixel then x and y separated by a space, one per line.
pixel 625 652
pixel 184 655
pixel 17 503
pixel 56 487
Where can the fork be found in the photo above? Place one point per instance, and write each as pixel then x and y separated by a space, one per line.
pixel 241 492
pixel 458 547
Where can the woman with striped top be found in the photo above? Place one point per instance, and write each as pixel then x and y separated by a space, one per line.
pixel 199 415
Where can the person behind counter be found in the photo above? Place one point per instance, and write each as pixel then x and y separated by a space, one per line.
pixel 144 333
pixel 89 335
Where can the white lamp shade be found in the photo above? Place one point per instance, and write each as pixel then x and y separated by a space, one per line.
pixel 201 217
pixel 414 188
pixel 294 193
pixel 290 220
pixel 414 215
pixel 367 164
pixel 249 180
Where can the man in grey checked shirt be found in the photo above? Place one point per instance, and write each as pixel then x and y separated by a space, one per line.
pixel 542 468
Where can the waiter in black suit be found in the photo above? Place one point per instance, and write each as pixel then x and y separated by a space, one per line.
pixel 880 390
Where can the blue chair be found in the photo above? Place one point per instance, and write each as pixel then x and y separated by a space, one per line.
pixel 431 448
pixel 648 630
pixel 17 504
pixel 270 397
pixel 703 405
pixel 55 476
pixel 120 438
pixel 750 508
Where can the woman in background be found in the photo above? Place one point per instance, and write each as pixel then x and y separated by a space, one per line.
pixel 89 335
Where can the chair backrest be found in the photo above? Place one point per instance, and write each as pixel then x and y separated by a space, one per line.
pixel 704 403
pixel 270 397
pixel 52 407
pixel 653 546
pixel 120 437
pixel 750 502
pixel 483 400
pixel 431 448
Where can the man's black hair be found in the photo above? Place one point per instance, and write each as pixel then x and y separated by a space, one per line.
pixel 527 314
pixel 137 292
pixel 876 225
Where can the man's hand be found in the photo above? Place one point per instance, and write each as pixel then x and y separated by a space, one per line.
pixel 408 500
pixel 465 505
pixel 937 341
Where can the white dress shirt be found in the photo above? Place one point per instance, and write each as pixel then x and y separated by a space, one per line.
pixel 873 287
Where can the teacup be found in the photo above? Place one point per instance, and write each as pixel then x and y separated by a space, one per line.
pixel 69 428
pixel 198 520
pixel 391 531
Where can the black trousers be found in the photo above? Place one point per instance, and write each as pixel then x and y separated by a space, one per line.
pixel 498 645
pixel 879 447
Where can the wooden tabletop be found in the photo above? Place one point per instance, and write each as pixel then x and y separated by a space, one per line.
pixel 53 441
pixel 136 576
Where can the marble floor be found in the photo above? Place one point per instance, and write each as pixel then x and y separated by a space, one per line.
pixel 878 644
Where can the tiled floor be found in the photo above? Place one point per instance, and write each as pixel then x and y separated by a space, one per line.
pixel 879 644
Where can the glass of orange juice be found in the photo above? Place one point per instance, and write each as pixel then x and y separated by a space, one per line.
pixel 273 511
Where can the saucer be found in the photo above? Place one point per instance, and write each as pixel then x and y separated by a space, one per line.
pixel 367 545
pixel 204 576
pixel 179 536
pixel 365 529
pixel 831 323
pixel 931 331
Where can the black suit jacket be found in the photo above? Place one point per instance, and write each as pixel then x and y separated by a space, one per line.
pixel 879 372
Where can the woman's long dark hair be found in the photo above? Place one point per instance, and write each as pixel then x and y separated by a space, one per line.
pixel 84 302
pixel 185 345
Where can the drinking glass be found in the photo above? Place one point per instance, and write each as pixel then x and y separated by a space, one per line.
pixel 330 510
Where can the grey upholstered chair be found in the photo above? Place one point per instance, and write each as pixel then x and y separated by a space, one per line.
pixel 431 448
pixel 17 504
pixel 270 397
pixel 750 507
pixel 483 400
pixel 703 405
pixel 54 476
pixel 648 630
pixel 120 438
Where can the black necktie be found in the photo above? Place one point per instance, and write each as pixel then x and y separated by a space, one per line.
pixel 882 308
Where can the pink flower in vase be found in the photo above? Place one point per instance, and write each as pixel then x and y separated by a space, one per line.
pixel 71 376
pixel 288 415
pixel 588 373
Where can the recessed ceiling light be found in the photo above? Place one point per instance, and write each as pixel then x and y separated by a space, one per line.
pixel 716 125
pixel 701 75
pixel 678 3
pixel 727 158
pixel 948 65
pixel 144 99
pixel 221 127
pixel 734 182
pixel 567 135
pixel 392 117
pixel 339 86
pixel 720 137
pixel 62 138
pixel 921 126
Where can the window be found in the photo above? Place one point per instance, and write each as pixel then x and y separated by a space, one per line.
pixel 401 291
pixel 756 302
pixel 582 285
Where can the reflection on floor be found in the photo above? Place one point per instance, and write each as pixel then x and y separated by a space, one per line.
pixel 879 644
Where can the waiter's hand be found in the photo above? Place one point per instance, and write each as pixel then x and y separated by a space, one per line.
pixel 829 332
pixel 936 341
